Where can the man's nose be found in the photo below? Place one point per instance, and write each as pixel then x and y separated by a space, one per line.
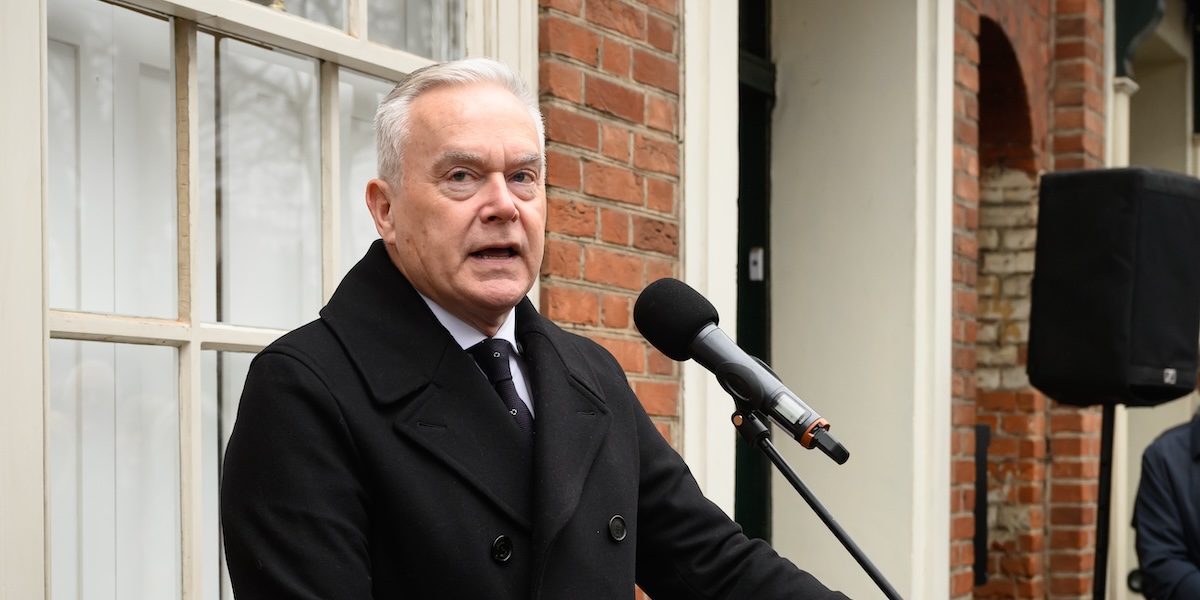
pixel 499 202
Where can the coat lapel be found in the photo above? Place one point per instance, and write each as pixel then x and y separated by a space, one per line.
pixel 571 422
pixel 461 420
pixel 446 405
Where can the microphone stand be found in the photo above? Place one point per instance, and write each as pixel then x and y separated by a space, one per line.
pixel 753 431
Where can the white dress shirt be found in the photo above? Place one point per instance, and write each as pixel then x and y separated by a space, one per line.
pixel 468 336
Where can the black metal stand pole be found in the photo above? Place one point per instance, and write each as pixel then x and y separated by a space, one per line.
pixel 754 432
pixel 1100 564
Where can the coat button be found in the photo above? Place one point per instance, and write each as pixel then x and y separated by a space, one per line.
pixel 502 549
pixel 616 528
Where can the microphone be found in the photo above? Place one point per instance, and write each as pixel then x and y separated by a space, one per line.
pixel 682 324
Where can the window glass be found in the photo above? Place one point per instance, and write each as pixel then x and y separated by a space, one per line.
pixel 430 28
pixel 260 146
pixel 111 123
pixel 326 12
pixel 359 97
pixel 222 377
pixel 113 456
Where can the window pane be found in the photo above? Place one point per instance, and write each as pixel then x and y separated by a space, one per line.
pixel 260 185
pixel 222 378
pixel 112 217
pixel 114 471
pixel 326 12
pixel 360 96
pixel 429 28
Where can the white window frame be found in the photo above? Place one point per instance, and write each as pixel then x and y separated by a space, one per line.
pixel 502 29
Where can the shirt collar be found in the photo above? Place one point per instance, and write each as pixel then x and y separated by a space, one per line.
pixel 468 336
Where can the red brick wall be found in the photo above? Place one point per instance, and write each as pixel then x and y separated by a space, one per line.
pixel 1077 135
pixel 610 79
pixel 1014 114
pixel 965 303
pixel 1046 112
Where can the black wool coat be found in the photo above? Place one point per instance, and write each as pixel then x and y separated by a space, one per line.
pixel 372 459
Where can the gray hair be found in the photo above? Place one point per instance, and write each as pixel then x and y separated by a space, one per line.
pixel 392 119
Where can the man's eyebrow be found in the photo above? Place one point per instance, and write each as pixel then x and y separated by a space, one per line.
pixel 532 158
pixel 454 157
pixel 451 157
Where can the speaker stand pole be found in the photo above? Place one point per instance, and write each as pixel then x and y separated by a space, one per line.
pixel 1100 564
pixel 753 431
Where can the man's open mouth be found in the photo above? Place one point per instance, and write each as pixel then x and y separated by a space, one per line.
pixel 500 252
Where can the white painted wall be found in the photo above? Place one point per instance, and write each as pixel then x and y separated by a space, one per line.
pixel 860 229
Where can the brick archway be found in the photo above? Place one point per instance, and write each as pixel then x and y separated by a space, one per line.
pixel 1028 99
pixel 1006 403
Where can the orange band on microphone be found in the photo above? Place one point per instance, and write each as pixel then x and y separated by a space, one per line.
pixel 806 440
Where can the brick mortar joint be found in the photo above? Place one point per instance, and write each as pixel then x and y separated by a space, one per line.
pixel 600 158
pixel 649 10
pixel 1078 38
pixel 623 82
pixel 1075 83
pixel 631 250
pixel 558 281
pixel 549 101
pixel 605 332
pixel 582 67
pixel 627 250
pixel 657 135
pixel 628 335
pixel 673 179
pixel 631 209
pixel 609 203
pixel 582 21
pixel 616 35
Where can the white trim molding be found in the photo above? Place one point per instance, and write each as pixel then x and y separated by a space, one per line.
pixel 710 216
pixel 933 303
pixel 22 301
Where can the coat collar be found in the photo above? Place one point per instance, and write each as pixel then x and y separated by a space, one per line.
pixel 387 330
pixel 405 356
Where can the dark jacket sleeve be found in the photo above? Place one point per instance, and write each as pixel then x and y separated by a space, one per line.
pixel 689 548
pixel 292 507
pixel 1167 572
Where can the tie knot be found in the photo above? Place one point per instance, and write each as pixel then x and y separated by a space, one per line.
pixel 492 357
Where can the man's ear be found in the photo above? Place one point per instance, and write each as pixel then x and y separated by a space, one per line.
pixel 379 202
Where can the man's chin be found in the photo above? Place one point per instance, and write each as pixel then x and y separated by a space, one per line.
pixel 500 298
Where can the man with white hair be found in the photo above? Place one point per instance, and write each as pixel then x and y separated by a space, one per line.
pixel 433 436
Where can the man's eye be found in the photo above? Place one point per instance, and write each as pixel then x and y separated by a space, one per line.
pixel 523 177
pixel 459 176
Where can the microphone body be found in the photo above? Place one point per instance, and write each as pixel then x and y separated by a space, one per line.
pixel 682 324
pixel 749 381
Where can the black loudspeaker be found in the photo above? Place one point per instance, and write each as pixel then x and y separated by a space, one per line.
pixel 1115 314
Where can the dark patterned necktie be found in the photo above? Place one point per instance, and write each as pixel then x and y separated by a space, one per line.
pixel 492 357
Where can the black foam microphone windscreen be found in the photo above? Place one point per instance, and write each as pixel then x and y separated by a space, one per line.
pixel 1115 312
pixel 669 313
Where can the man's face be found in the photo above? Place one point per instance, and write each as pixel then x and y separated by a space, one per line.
pixel 466 222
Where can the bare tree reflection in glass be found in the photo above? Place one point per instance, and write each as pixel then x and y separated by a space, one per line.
pixel 260 174
pixel 430 28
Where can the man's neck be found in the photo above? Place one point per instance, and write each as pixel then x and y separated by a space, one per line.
pixel 468 335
